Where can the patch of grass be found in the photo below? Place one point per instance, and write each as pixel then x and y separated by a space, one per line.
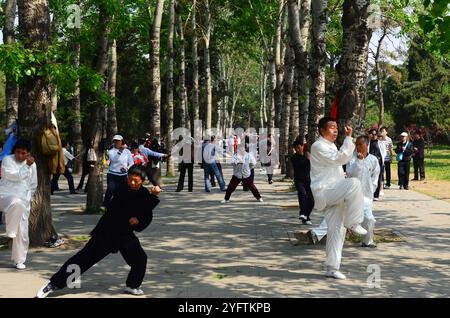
pixel 219 276
pixel 80 238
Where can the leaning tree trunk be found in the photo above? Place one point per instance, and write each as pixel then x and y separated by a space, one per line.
pixel 112 76
pixel 303 87
pixel 352 66
pixel 207 38
pixel 77 139
pixel 97 115
pixel 194 44
pixel 169 87
pixel 11 87
pixel 155 70
pixel 185 122
pixel 379 79
pixel 318 63
pixel 35 115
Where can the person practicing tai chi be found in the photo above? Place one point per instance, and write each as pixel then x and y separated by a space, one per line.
pixel 366 168
pixel 17 187
pixel 243 163
pixel 131 209
pixel 341 199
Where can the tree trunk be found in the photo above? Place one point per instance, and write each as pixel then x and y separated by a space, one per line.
pixel 194 44
pixel 318 63
pixel 207 38
pixel 279 69
pixel 170 54
pixel 298 35
pixel 287 98
pixel 156 76
pixel 185 122
pixel 97 115
pixel 352 66
pixel 272 85
pixel 112 76
pixel 77 138
pixel 380 80
pixel 11 88
pixel 35 115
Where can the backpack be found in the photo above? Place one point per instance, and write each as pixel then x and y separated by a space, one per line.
pixel 50 143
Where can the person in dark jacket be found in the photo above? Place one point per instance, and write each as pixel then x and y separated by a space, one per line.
pixel 186 163
pixel 376 148
pixel 131 209
pixel 404 152
pixel 419 156
pixel 301 164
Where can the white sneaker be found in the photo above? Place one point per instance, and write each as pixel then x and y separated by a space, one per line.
pixel 21 266
pixel 224 201
pixel 308 222
pixel 358 229
pixel 376 199
pixel 134 291
pixel 303 217
pixel 335 274
pixel 381 193
pixel 260 200
pixel 44 291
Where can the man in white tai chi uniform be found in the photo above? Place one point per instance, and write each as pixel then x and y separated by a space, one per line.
pixel 341 199
pixel 17 186
pixel 366 168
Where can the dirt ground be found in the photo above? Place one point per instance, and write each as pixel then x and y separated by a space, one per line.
pixel 438 189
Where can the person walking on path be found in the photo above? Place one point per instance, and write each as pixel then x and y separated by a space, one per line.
pixel 120 159
pixel 151 172
pixel 302 167
pixel 404 152
pixel 17 187
pixel 340 198
pixel 210 152
pixel 68 164
pixel 388 158
pixel 131 209
pixel 242 162
pixel 365 167
pixel 419 156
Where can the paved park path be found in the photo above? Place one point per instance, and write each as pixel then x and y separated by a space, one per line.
pixel 199 248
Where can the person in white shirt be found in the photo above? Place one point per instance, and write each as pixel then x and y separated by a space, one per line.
pixel 341 199
pixel 366 168
pixel 210 155
pixel 388 158
pixel 243 162
pixel 68 161
pixel 17 187
pixel 120 160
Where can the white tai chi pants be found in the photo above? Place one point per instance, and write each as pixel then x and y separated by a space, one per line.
pixel 17 212
pixel 344 208
pixel 369 221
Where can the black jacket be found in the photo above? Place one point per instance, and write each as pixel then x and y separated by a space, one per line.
pixel 420 145
pixel 407 153
pixel 125 204
pixel 302 167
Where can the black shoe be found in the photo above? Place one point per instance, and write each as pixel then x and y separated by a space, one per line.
pixel 177 190
pixel 270 181
pixel 368 245
pixel 406 188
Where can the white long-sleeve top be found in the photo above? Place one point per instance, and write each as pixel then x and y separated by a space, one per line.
pixel 67 156
pixel 326 166
pixel 211 152
pixel 367 170
pixel 243 165
pixel 118 160
pixel 18 179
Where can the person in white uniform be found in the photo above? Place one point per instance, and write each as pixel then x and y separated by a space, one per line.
pixel 341 199
pixel 366 168
pixel 17 187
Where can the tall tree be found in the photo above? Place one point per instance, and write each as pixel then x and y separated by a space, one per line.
pixel 11 87
pixel 35 114
pixel 317 69
pixel 279 69
pixel 352 66
pixel 97 114
pixel 170 87
pixel 208 80
pixel 112 76
pixel 287 98
pixel 194 58
pixel 379 76
pixel 155 69
pixel 185 122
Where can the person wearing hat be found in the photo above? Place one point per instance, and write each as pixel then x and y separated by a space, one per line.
pixel 404 151
pixel 120 159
